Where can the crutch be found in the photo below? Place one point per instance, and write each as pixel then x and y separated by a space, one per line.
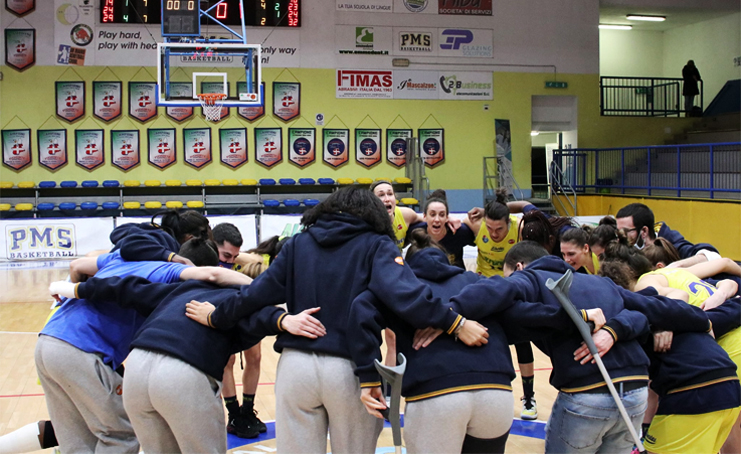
pixel 393 377
pixel 560 288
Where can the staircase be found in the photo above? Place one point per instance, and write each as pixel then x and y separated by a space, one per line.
pixel 723 128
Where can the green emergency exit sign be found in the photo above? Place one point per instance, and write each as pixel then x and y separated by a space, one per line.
pixel 555 84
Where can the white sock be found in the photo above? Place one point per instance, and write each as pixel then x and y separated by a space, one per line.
pixel 25 439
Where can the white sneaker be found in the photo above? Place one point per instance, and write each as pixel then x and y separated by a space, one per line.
pixel 529 409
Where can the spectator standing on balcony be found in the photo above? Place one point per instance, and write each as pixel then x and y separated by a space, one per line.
pixel 691 75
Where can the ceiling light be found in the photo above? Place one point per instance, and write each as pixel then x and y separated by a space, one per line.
pixel 615 27
pixel 534 133
pixel 646 18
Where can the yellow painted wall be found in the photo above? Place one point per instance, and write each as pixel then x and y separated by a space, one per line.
pixel 714 222
pixel 27 101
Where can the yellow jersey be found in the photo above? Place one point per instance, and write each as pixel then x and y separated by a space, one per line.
pixel 595 264
pixel 490 260
pixel 400 228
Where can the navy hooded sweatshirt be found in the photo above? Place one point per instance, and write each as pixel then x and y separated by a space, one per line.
pixel 328 265
pixel 626 361
pixel 144 243
pixel 169 331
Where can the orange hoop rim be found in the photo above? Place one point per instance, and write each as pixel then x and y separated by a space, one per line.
pixel 211 98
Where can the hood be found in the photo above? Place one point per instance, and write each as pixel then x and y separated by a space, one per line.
pixel 337 228
pixel 432 264
pixel 550 263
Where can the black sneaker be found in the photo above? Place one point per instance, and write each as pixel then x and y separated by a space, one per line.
pixel 253 420
pixel 242 428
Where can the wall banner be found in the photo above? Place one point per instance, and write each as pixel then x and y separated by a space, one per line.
pixel 416 84
pixel 197 146
pixel 254 112
pixel 125 149
pixel 286 100
pixel 233 146
pixel 465 42
pixel 36 239
pixel 368 146
pixel 465 7
pixel 161 148
pixel 431 146
pixel 465 85
pixel 180 90
pixel 268 146
pixel 361 83
pixel 70 100
pixel 20 48
pixel 396 146
pixel 335 143
pixel 417 41
pixel 52 145
pixel 16 148
pixel 301 146
pixel 363 40
pixel 365 6
pixel 89 148
pixel 20 7
pixel 142 97
pixel 106 100
pixel 215 87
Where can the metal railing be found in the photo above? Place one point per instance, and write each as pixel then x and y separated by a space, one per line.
pixel 415 171
pixel 560 186
pixel 498 175
pixel 643 96
pixel 696 170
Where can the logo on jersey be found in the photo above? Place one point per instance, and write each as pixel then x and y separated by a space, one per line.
pixel 511 241
pixel 399 260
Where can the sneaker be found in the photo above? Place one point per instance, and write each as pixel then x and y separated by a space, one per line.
pixel 242 428
pixel 253 420
pixel 529 409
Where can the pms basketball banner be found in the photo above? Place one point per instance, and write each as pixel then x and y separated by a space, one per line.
pixel 368 146
pixel 34 239
pixel 106 100
pixel 301 149
pixel 233 146
pixel 396 146
pixel 197 147
pixel 161 147
pixel 286 100
pixel 125 149
pixel 268 146
pixel 335 143
pixel 431 146
pixel 70 99
pixel 16 148
pixel 52 145
pixel 20 48
pixel 89 148
pixel 142 97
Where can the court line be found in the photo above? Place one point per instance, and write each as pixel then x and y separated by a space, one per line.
pixel 42 394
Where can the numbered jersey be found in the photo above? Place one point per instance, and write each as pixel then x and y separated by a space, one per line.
pixel 490 260
pixel 682 279
pixel 400 227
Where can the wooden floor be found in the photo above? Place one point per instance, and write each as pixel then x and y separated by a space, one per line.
pixel 24 307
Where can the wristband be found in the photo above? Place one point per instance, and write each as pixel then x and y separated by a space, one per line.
pixel 459 328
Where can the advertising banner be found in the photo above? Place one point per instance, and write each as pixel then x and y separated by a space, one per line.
pixel 70 100
pixel 268 146
pixel 464 42
pixel 465 7
pixel 16 148
pixel 254 112
pixel 335 143
pixel 36 239
pixel 20 48
pixel 431 146
pixel 369 40
pixel 233 146
pixel 197 147
pixel 89 148
pixel 161 150
pixel 415 6
pixel 286 100
pixel 180 90
pixel 368 146
pixel 416 84
pixel 52 147
pixel 415 41
pixel 301 148
pixel 396 146
pixel 142 96
pixel 361 83
pixel 106 100
pixel 365 6
pixel 125 149
pixel 465 85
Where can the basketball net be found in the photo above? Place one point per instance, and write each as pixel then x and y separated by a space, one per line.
pixel 212 103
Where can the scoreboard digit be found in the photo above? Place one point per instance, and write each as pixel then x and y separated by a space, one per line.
pixel 180 18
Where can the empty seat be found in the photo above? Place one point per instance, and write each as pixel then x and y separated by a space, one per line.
pixel 311 202
pixel 384 179
pixel 24 206
pixel 132 205
pixel 132 183
pixel 409 201
pixel 271 203
pixel 287 181
pixel 68 184
pixel 45 206
pixel 47 184
pixel 110 205
pixel 291 202
pixel 111 184
pixel 6 185
pixel 174 204
pixel 153 205
pixel 249 182
pixel 364 180
pixel 173 183
pixel 403 180
pixel 89 206
pixel 193 182
pixel 4 207
pixel 152 184
pixel 326 181
pixel 194 204
pixel 306 181
pixel 230 182
pixel 212 182
pixel 67 206
pixel 26 184
pixel 267 181
pixel 344 181
pixel 89 184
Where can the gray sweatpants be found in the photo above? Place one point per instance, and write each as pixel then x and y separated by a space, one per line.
pixel 439 424
pixel 173 406
pixel 315 392
pixel 83 396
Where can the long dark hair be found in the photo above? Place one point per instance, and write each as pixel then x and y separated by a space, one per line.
pixel 356 201
pixel 201 251
pixel 661 250
pixel 497 210
pixel 270 247
pixel 544 230
pixel 419 239
pixel 180 224
pixel 619 251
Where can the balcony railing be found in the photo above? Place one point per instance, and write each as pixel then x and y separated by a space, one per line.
pixel 643 96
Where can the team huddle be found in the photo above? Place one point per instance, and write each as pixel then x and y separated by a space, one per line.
pixel 177 300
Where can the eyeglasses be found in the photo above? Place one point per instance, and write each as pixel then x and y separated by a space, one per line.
pixel 631 230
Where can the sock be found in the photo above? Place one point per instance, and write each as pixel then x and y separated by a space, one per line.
pixel 25 439
pixel 232 406
pixel 527 386
pixel 49 438
pixel 644 429
pixel 248 403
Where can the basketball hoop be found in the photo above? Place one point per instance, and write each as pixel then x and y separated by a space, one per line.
pixel 212 103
